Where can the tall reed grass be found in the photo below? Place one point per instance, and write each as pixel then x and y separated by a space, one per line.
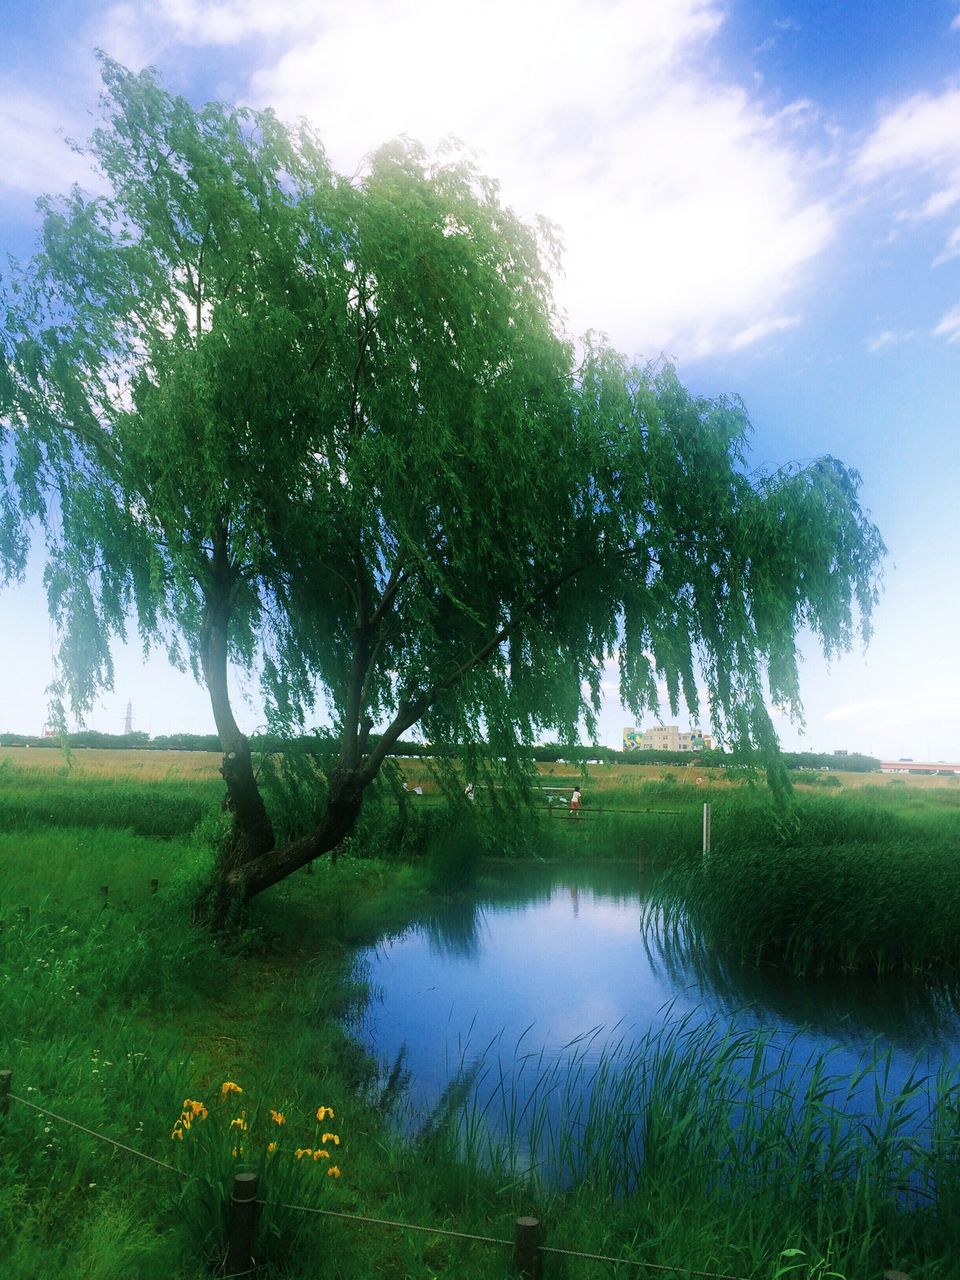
pixel 702 1120
pixel 677 1152
pixel 840 886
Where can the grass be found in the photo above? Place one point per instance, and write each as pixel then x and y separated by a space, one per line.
pixel 849 885
pixel 707 1123
pixel 113 1015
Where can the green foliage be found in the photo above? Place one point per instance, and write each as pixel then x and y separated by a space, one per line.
pixel 112 1016
pixel 847 886
pixel 699 1114
pixel 329 427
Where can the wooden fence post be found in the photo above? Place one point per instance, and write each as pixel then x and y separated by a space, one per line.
pixel 706 829
pixel 5 1078
pixel 526 1248
pixel 241 1223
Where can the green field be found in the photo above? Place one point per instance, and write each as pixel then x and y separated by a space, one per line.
pixel 115 1011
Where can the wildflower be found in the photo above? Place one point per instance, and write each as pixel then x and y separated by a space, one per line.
pixel 333 1172
pixel 277 1117
pixel 195 1108
pixel 238 1123
pixel 303 1151
pixel 271 1148
pixel 320 1154
pixel 229 1087
pixel 331 1137
pixel 236 1151
pixel 177 1131
pixel 324 1113
pixel 186 1119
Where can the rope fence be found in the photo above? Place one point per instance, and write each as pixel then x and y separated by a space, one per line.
pixel 244 1204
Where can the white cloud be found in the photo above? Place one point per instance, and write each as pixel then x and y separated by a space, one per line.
pixel 234 21
pixel 886 338
pixel 685 204
pixel 949 326
pixel 681 200
pixel 924 131
pixel 754 332
pixel 950 250
pixel 34 155
pixel 918 143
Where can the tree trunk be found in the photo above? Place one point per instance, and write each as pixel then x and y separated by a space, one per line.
pixel 251 832
pixel 236 881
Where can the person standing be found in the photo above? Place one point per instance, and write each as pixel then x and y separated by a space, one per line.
pixel 575 803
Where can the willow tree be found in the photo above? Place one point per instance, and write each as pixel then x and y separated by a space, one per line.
pixel 327 430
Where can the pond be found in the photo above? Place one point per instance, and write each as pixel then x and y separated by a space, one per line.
pixel 555 966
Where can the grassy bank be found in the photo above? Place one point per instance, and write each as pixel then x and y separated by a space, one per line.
pixel 113 1015
pixel 857 883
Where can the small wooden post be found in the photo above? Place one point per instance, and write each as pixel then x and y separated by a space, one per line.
pixel 154 885
pixel 242 1223
pixel 706 829
pixel 5 1079
pixel 526 1248
pixel 104 893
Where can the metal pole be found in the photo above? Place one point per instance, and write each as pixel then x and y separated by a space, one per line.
pixel 706 829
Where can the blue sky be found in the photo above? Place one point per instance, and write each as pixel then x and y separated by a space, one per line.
pixel 769 192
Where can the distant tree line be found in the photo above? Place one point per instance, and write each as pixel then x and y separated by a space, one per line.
pixel 549 753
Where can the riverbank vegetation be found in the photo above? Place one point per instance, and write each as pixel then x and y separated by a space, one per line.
pixel 865 882
pixel 115 1011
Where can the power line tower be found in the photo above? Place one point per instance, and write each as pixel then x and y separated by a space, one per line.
pixel 128 719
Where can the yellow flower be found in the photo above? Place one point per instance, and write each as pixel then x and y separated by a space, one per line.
pixel 320 1154
pixel 277 1117
pixel 186 1119
pixel 271 1147
pixel 333 1172
pixel 303 1151
pixel 229 1087
pixel 177 1132
pixel 236 1151
pixel 323 1113
pixel 238 1123
pixel 195 1108
pixel 331 1137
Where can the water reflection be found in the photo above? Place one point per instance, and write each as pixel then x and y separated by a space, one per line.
pixel 913 1015
pixel 542 957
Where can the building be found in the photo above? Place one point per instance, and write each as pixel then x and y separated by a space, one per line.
pixel 665 737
